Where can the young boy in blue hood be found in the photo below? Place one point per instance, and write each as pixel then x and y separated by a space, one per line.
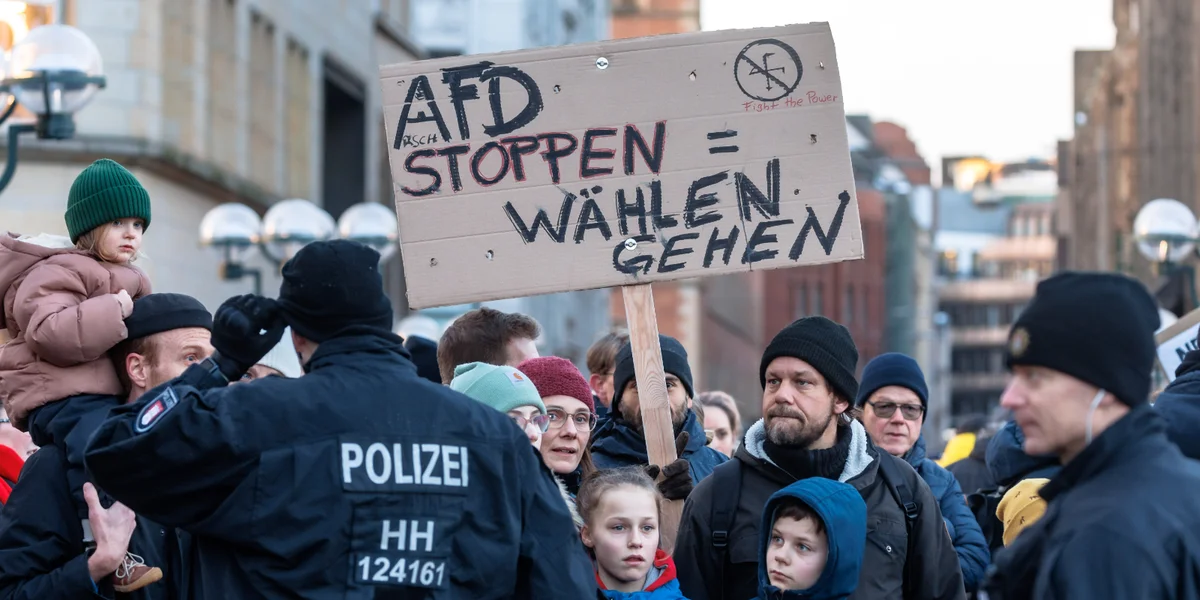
pixel 814 532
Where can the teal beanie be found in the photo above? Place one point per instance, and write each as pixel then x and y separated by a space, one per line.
pixel 500 387
pixel 104 192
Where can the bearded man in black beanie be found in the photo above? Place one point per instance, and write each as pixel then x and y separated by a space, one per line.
pixel 621 440
pixel 807 374
pixel 360 479
pixel 1121 519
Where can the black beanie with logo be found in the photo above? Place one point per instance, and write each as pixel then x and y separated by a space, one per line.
pixel 1096 327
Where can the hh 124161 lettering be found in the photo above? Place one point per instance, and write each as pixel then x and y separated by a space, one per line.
pixel 396 570
pixel 392 466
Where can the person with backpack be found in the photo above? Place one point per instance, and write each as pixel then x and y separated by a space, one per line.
pixel 1008 466
pixel 893 398
pixel 807 374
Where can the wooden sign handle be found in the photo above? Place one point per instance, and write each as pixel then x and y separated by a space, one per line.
pixel 652 395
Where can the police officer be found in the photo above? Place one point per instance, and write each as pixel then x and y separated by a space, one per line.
pixel 358 480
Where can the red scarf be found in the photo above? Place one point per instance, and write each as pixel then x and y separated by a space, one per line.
pixel 10 468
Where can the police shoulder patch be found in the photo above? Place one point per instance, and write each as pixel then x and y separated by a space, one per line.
pixel 152 412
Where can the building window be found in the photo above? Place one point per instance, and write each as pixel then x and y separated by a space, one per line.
pixel 817 301
pixel 298 134
pixel 848 306
pixel 264 133
pixel 222 93
pixel 180 58
pixel 800 300
pixel 948 263
pixel 862 309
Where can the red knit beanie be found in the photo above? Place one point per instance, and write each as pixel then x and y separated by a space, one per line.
pixel 555 376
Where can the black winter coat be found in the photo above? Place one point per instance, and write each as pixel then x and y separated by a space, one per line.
pixel 359 480
pixel 41 535
pixel 972 472
pixel 1121 523
pixel 935 572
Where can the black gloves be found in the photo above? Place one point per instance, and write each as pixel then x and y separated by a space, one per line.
pixel 677 476
pixel 245 329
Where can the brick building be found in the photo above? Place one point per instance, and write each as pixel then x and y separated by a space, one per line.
pixel 641 18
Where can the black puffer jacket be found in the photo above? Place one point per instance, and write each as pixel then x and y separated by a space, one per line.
pixel 972 472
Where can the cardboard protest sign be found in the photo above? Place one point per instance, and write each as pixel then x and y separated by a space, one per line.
pixel 619 163
pixel 1175 341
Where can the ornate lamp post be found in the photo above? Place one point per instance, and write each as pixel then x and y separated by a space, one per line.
pixel 54 72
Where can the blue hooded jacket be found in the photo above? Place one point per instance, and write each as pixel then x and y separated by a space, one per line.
pixel 842 509
pixel 969 543
pixel 1007 461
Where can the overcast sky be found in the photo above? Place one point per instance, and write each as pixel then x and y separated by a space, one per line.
pixel 963 76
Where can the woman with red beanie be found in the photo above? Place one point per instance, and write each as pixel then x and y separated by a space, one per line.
pixel 572 410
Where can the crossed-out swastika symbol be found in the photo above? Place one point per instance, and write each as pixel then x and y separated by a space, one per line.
pixel 770 86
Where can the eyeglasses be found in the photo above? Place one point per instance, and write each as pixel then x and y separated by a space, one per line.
pixel 584 420
pixel 885 410
pixel 542 421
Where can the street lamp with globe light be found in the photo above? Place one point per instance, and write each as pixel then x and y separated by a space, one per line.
pixel 1166 233
pixel 235 231
pixel 54 72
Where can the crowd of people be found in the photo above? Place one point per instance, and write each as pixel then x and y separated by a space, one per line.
pixel 295 447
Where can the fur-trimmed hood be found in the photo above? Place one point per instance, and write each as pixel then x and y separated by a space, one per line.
pixel 570 500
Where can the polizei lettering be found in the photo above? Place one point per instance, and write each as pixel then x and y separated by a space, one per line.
pixel 401 466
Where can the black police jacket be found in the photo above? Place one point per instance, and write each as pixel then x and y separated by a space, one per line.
pixel 1121 523
pixel 41 536
pixel 358 480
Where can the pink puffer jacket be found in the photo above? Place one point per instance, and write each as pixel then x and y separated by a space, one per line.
pixel 62 316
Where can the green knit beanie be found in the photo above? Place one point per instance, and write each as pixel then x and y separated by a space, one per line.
pixel 104 192
pixel 500 387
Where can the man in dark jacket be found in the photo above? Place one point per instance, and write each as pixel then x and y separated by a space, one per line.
pixel 893 398
pixel 1121 520
pixel 972 472
pixel 807 373
pixel 620 441
pixel 1179 404
pixel 43 554
pixel 358 480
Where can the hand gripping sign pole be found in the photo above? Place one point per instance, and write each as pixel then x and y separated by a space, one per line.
pixel 652 396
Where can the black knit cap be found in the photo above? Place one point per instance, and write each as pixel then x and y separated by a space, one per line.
pixel 332 285
pixel 821 343
pixel 1096 327
pixel 156 313
pixel 675 362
